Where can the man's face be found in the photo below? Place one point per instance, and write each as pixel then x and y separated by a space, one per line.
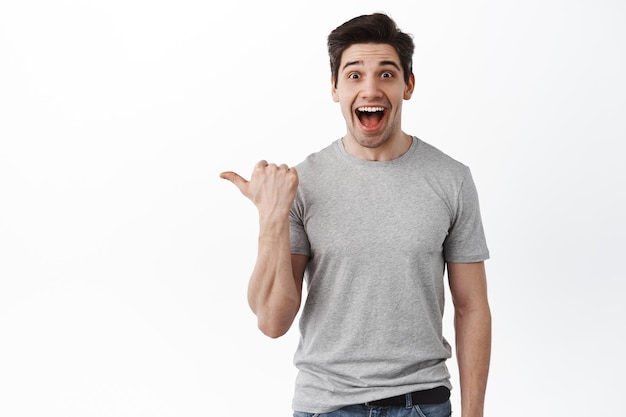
pixel 370 89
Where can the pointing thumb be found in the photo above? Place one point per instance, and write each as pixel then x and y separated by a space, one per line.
pixel 235 178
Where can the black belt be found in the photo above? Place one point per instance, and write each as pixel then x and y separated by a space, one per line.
pixel 437 395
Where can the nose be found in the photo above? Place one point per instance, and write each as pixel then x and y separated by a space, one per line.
pixel 371 88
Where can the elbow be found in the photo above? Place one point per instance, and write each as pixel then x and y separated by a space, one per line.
pixel 273 321
pixel 273 333
pixel 272 329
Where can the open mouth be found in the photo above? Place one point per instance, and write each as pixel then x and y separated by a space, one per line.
pixel 370 117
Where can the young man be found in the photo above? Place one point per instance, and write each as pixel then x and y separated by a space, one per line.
pixel 371 222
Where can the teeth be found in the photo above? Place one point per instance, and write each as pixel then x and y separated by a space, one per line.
pixel 370 109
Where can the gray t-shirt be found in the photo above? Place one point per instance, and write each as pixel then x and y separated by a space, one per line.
pixel 378 235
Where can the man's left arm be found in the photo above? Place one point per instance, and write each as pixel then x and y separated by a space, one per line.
pixel 472 325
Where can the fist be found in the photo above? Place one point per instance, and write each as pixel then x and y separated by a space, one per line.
pixel 272 188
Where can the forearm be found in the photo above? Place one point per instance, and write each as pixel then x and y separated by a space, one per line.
pixel 473 347
pixel 273 292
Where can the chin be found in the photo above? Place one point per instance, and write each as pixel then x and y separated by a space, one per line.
pixel 373 141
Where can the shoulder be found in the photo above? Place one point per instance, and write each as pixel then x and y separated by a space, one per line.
pixel 317 162
pixel 440 163
pixel 433 154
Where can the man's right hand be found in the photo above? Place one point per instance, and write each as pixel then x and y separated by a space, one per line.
pixel 272 188
pixel 275 287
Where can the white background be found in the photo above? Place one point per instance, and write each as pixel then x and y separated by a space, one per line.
pixel 124 259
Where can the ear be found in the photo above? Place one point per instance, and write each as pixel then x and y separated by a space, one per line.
pixel 333 90
pixel 409 87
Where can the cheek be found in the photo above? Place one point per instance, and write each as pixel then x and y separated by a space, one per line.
pixel 347 111
pixel 346 105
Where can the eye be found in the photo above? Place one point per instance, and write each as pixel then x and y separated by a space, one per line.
pixel 386 74
pixel 353 76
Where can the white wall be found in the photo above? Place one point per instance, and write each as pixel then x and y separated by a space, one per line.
pixel 124 258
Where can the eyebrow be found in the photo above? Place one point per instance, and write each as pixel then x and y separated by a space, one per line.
pixel 381 63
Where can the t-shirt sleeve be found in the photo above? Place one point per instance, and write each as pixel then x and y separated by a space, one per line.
pixel 299 240
pixel 466 238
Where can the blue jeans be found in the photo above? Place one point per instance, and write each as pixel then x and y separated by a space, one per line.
pixel 424 410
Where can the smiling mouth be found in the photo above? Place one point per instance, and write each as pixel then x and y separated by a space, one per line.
pixel 370 116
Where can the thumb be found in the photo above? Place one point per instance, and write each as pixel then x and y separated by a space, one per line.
pixel 235 178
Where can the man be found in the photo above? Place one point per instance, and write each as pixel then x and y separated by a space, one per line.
pixel 370 223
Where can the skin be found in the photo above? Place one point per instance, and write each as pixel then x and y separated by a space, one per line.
pixel 370 76
pixel 472 327
pixel 275 286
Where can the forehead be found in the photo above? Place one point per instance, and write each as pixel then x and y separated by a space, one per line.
pixel 369 53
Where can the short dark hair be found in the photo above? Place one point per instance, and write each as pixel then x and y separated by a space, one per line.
pixel 372 28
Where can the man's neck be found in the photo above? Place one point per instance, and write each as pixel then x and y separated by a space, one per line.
pixel 392 149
